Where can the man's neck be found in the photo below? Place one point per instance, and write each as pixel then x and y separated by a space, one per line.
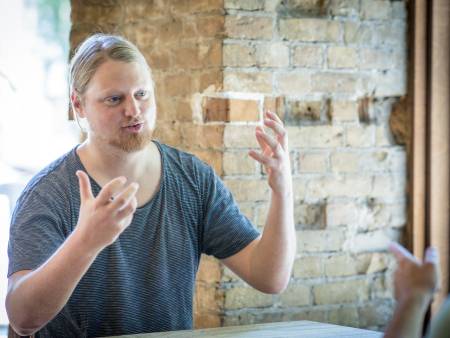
pixel 106 164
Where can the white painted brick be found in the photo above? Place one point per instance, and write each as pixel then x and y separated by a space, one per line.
pixel 375 58
pixel 345 162
pixel 342 57
pixel 347 8
pixel 387 83
pixel 272 55
pixel 316 136
pixel 384 136
pixel 308 56
pixel 248 190
pixel 296 295
pixel 299 189
pixel 319 240
pixel 240 136
pixel 238 55
pixel 344 111
pixel 359 33
pixel 308 267
pixel 345 213
pixel 242 297
pixel 376 9
pixel 339 186
pixel 248 5
pixel 360 136
pixel 333 83
pixel 346 315
pixel 370 241
pixel 313 162
pixel 248 82
pixel 293 83
pixel 341 292
pixel 307 29
pixel 238 163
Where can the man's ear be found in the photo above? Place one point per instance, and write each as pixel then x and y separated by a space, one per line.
pixel 77 105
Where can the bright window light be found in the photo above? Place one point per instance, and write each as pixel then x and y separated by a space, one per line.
pixel 34 129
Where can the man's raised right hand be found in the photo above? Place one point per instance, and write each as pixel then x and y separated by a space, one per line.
pixel 103 218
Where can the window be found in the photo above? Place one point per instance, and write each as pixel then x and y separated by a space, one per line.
pixel 34 129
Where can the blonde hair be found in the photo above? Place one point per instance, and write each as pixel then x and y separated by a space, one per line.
pixel 96 50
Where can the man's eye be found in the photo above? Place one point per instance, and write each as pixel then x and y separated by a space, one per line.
pixel 113 100
pixel 142 94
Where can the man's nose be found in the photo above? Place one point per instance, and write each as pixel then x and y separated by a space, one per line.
pixel 132 107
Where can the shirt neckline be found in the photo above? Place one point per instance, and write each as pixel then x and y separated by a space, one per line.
pixel 97 186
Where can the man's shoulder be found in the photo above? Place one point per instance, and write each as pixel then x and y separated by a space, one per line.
pixel 54 174
pixel 182 159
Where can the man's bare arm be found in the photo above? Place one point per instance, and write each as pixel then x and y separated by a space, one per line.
pixel 266 263
pixel 35 297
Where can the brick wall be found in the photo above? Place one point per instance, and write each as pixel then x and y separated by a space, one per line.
pixel 337 67
pixel 333 70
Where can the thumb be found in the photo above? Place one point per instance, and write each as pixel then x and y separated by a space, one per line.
pixel 85 186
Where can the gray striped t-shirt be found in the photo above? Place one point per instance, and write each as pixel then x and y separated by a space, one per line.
pixel 144 281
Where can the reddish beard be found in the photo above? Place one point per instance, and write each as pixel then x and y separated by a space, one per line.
pixel 132 142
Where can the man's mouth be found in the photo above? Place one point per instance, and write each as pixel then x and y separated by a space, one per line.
pixel 134 127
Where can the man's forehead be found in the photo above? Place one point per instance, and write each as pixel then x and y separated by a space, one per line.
pixel 117 74
pixel 119 69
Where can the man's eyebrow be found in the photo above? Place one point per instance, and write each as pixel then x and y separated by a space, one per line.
pixel 111 91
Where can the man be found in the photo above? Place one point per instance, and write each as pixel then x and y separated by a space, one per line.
pixel 414 284
pixel 116 252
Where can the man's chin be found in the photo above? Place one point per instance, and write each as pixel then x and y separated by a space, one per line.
pixel 133 143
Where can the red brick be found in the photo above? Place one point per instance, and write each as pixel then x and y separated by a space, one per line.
pixel 212 77
pixel 275 105
pixel 168 132
pixel 158 58
pixel 209 271
pixel 211 26
pixel 143 9
pixel 178 85
pixel 230 110
pixel 207 137
pixel 212 157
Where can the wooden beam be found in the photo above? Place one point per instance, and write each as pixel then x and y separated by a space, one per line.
pixel 440 139
pixel 419 129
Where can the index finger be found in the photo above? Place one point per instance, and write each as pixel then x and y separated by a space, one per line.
pixel 85 185
pixel 264 147
pixel 274 116
pixel 279 130
pixel 400 252
pixel 110 189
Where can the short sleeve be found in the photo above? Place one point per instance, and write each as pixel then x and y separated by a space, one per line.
pixel 226 230
pixel 35 232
